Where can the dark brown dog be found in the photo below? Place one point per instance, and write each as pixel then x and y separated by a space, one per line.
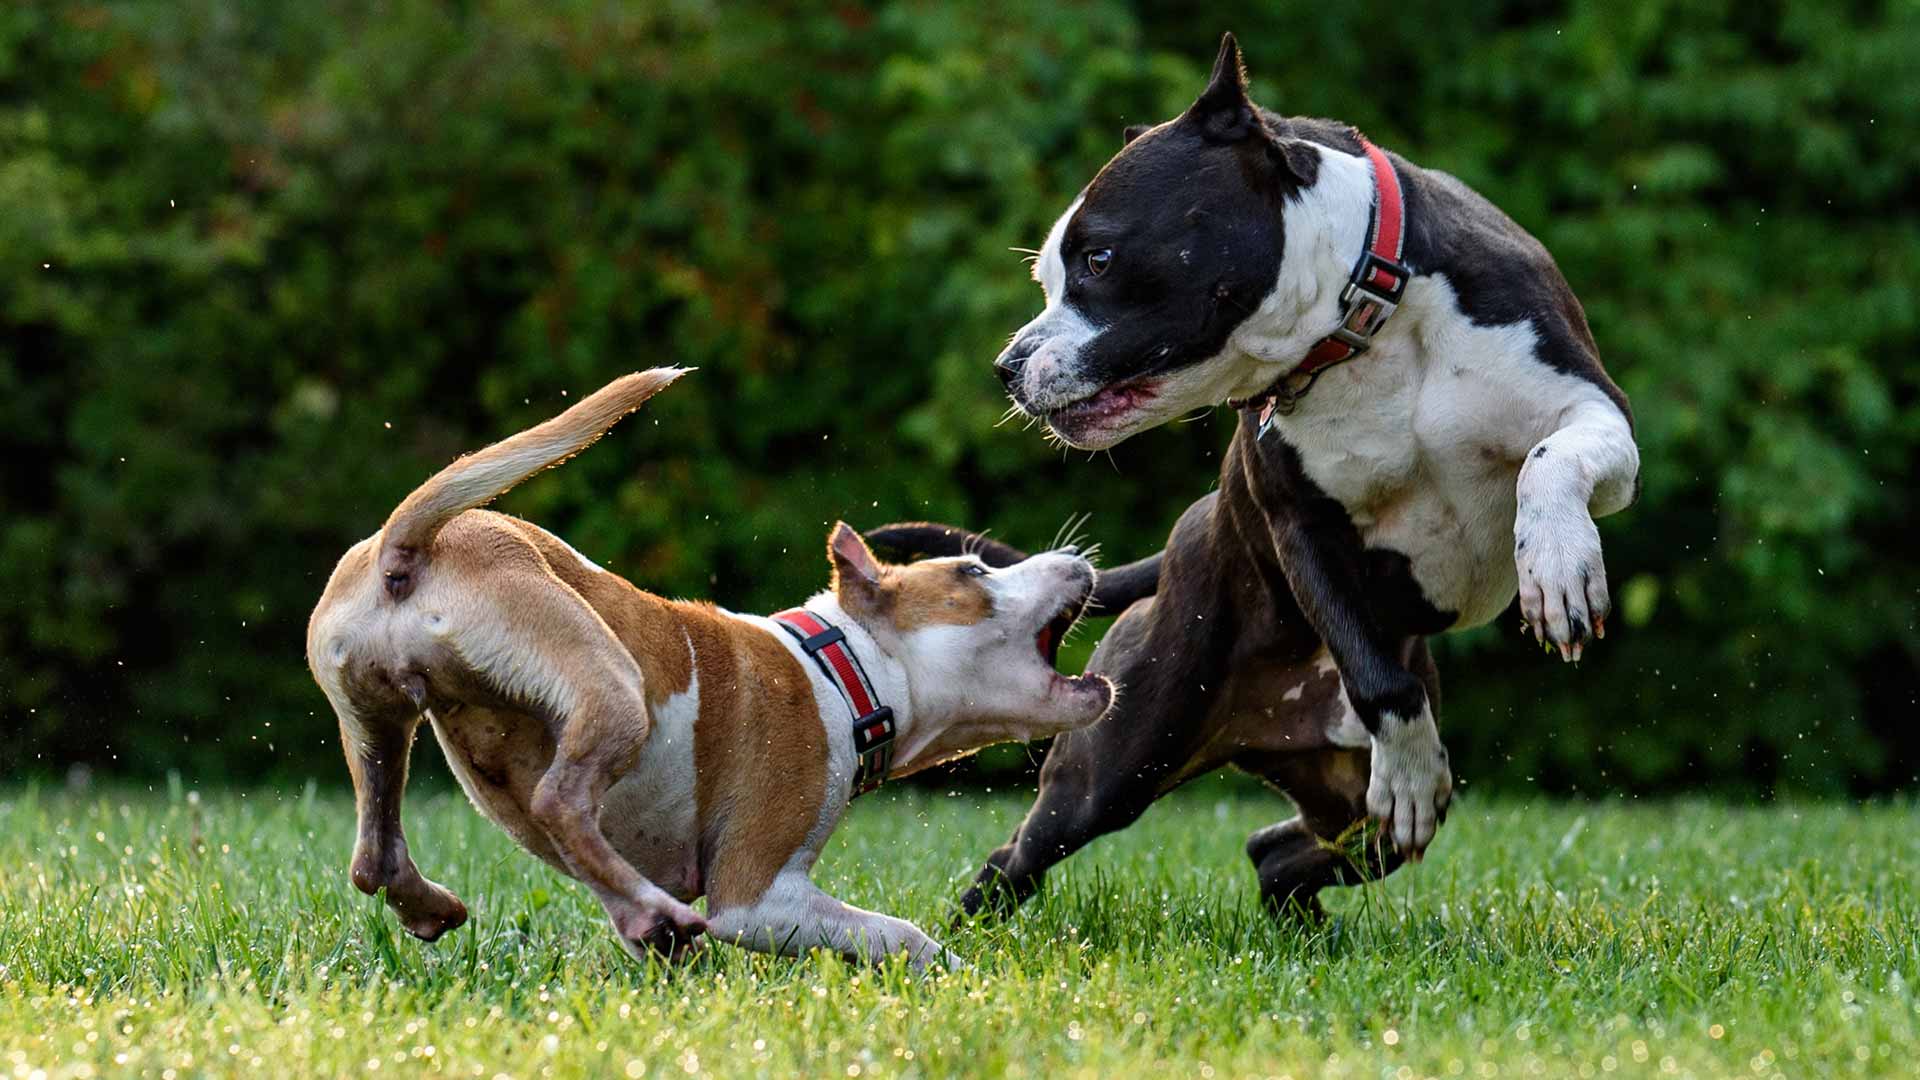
pixel 1426 430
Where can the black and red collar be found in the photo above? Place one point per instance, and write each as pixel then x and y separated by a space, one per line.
pixel 1372 293
pixel 873 727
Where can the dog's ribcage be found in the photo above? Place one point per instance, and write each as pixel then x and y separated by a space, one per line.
pixel 1422 439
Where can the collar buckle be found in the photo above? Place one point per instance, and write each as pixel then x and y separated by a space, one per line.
pixel 1371 296
pixel 873 747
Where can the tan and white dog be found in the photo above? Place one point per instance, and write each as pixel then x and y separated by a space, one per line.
pixel 658 750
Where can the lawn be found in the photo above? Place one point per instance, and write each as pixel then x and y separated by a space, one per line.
pixel 172 933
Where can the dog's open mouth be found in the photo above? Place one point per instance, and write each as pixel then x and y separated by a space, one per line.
pixel 1055 631
pixel 1103 406
pixel 1084 695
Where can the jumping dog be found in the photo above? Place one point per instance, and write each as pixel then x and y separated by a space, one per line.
pixel 1425 430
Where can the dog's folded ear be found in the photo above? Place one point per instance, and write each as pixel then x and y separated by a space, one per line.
pixel 856 574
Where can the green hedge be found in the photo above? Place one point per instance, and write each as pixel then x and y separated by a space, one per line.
pixel 269 264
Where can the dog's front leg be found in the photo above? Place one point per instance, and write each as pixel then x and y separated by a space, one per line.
pixel 1410 782
pixel 794 915
pixel 1585 470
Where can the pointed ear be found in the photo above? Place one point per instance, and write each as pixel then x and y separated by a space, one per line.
pixel 856 574
pixel 1223 110
pixel 1134 131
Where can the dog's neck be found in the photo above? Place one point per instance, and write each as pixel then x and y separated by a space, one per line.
pixel 889 676
pixel 1325 227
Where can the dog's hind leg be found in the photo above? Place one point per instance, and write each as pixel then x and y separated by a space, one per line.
pixel 378 716
pixel 545 649
pixel 378 746
pixel 1326 843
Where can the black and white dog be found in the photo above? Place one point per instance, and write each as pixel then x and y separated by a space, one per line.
pixel 1421 398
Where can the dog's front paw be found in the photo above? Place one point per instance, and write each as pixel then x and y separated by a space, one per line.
pixel 1411 782
pixel 658 926
pixel 1563 581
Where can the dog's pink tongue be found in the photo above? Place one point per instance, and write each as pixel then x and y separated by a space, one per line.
pixel 1043 639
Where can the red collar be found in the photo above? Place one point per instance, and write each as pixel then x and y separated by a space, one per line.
pixel 872 722
pixel 1373 292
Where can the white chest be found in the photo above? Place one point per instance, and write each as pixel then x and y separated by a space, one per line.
pixel 1421 439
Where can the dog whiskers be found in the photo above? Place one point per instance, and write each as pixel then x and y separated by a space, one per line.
pixel 1068 532
pixel 1071 535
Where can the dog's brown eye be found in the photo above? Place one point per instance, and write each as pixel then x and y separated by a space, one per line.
pixel 973 570
pixel 1098 259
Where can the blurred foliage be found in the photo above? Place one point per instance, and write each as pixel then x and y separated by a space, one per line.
pixel 270 264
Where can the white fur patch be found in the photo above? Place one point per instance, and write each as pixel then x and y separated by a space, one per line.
pixel 1326 227
pixel 1049 269
pixel 1410 783
pixel 1346 729
pixel 650 814
pixel 1050 374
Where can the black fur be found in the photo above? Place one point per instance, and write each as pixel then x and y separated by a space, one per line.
pixel 1257 577
pixel 1232 165
pixel 1249 586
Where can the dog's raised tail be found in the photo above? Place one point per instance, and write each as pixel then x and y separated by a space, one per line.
pixel 484 475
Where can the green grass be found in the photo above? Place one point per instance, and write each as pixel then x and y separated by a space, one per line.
pixel 164 934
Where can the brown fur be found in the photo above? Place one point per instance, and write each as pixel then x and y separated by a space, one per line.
pixel 911 597
pixel 760 753
pixel 649 627
pixel 545 679
pixel 933 594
